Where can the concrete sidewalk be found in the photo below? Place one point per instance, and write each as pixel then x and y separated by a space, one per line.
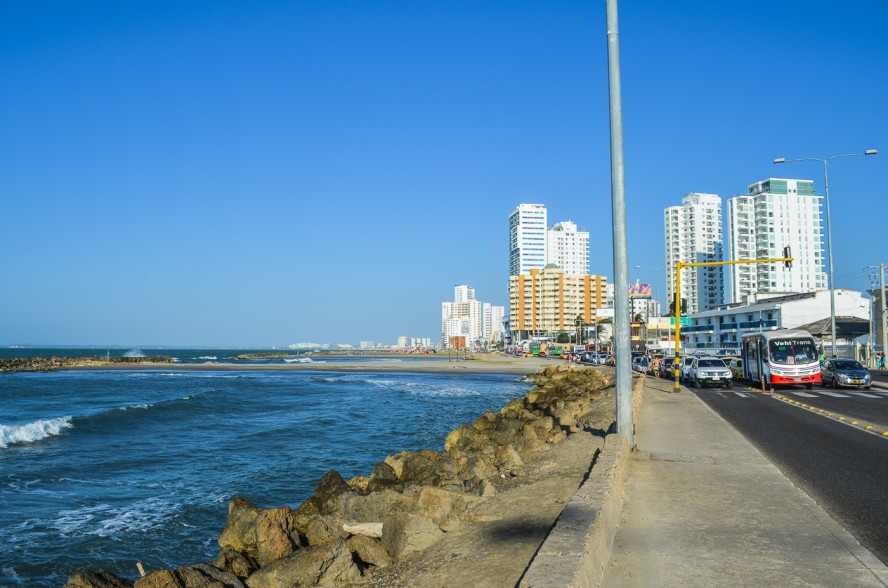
pixel 705 508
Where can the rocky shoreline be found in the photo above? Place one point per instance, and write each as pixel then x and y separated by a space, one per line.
pixel 47 364
pixel 389 528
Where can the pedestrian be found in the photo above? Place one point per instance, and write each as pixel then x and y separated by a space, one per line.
pixel 882 360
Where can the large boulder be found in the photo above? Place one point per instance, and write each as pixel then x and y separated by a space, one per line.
pixel 196 576
pixel 427 468
pixel 324 565
pixel 369 551
pixel 383 476
pixel 328 491
pixel 89 579
pixel 236 562
pixel 407 534
pixel 376 506
pixel 440 505
pixel 265 535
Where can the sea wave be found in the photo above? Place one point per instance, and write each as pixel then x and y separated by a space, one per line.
pixel 31 432
pixel 213 357
pixel 299 360
pixel 134 353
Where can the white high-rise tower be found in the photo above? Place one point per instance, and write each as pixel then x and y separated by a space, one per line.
pixel 776 213
pixel 568 248
pixel 694 234
pixel 527 238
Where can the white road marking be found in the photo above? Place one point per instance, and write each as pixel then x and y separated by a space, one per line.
pixel 743 394
pixel 805 394
pixel 865 395
pixel 834 394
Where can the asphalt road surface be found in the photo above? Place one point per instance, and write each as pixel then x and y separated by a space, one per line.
pixel 844 468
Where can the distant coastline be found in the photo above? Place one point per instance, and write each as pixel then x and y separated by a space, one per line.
pixel 483 364
pixel 384 362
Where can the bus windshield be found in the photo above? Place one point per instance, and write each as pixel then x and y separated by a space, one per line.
pixel 792 351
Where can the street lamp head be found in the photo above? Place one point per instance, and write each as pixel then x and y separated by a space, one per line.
pixel 871 152
pixel 780 160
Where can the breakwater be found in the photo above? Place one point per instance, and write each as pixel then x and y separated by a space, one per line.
pixel 352 531
pixel 44 364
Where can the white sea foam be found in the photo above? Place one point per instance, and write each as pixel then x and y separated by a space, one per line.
pixel 142 406
pixel 31 432
pixel 213 357
pixel 134 353
pixel 9 573
pixel 299 360
pixel 104 520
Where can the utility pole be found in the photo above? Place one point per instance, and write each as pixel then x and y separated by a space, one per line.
pixel 618 215
pixel 884 313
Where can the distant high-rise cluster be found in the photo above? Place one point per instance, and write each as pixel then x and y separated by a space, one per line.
pixel 467 322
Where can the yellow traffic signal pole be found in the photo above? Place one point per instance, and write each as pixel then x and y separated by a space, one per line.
pixel 676 367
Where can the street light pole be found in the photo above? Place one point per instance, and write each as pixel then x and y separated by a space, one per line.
pixel 832 285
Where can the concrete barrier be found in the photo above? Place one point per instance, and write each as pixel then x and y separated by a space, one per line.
pixel 579 546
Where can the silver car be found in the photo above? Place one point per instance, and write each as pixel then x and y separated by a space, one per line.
pixel 845 372
pixel 709 371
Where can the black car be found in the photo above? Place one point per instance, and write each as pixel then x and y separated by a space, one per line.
pixel 667 370
pixel 845 372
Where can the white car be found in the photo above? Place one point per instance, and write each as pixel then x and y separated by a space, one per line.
pixel 709 371
pixel 685 368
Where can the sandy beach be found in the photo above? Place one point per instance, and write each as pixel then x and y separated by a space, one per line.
pixel 482 364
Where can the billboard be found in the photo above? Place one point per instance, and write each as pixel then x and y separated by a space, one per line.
pixel 640 291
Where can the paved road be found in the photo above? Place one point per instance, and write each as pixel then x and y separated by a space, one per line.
pixel 843 468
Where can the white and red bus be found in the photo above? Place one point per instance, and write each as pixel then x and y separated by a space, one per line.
pixel 783 358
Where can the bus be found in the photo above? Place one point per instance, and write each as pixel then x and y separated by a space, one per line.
pixel 783 358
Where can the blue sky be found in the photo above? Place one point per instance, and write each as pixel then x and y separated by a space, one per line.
pixel 234 173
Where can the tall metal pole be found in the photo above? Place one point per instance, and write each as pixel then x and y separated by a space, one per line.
pixel 832 284
pixel 884 311
pixel 676 367
pixel 621 256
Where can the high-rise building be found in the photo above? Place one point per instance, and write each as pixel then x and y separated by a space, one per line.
pixel 568 248
pixel 549 300
pixel 694 234
pixel 527 238
pixel 469 318
pixel 463 293
pixel 775 213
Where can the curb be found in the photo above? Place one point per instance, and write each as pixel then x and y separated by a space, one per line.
pixel 578 548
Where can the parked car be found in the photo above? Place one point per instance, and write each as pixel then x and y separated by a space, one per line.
pixel 736 367
pixel 685 368
pixel 667 371
pixel 709 371
pixel 845 372
pixel 642 364
pixel 597 358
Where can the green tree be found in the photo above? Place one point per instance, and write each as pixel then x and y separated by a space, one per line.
pixel 562 337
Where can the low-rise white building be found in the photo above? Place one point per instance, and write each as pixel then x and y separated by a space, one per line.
pixel 723 326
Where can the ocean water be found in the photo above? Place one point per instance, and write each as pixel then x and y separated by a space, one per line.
pixel 101 469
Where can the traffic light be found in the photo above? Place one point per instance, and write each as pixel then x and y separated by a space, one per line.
pixel 682 304
pixel 787 253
